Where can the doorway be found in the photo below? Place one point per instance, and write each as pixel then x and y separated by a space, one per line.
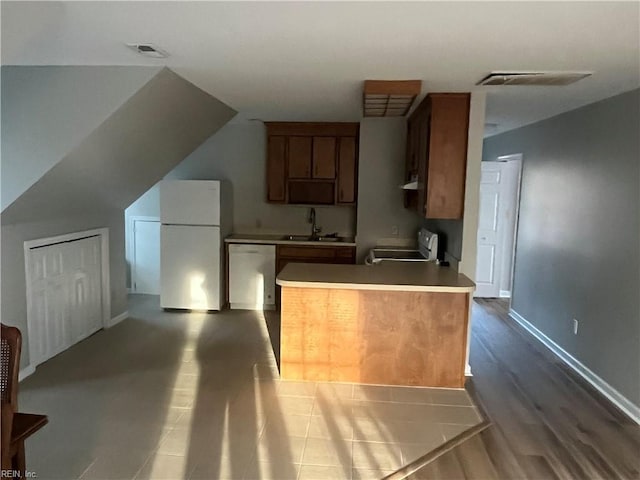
pixel 145 258
pixel 497 225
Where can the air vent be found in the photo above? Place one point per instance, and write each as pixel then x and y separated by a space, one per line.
pixel 533 78
pixel 148 50
pixel 389 98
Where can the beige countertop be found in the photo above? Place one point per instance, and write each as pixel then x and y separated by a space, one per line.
pixel 276 239
pixel 394 276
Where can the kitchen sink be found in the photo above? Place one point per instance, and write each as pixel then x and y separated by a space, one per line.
pixel 297 238
pixel 309 238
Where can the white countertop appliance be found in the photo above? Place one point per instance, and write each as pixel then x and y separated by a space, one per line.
pixel 427 251
pixel 193 218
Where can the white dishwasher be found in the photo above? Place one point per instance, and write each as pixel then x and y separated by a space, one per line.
pixel 252 276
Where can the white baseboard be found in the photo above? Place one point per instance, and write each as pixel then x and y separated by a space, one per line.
pixel 25 372
pixel 598 383
pixel 505 293
pixel 117 319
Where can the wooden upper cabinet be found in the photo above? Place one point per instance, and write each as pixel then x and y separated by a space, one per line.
pixel 347 171
pixel 312 163
pixel 276 169
pixel 447 161
pixel 324 157
pixel 300 157
pixel 437 151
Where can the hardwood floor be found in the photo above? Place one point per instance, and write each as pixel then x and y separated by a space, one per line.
pixel 547 422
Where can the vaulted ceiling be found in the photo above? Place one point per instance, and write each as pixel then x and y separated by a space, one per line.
pixel 307 61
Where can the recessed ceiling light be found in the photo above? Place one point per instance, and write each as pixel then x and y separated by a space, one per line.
pixel 148 50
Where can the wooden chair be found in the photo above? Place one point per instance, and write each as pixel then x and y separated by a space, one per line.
pixel 16 427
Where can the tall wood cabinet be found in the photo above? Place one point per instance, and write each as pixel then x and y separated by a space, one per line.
pixel 312 163
pixel 437 134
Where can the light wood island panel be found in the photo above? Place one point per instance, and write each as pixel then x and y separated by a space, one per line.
pixel 374 336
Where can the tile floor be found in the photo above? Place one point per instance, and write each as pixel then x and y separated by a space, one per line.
pixel 167 395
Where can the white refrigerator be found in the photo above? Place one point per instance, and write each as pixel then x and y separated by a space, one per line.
pixel 191 239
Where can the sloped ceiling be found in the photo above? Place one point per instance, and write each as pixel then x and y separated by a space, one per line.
pixel 48 111
pixel 128 153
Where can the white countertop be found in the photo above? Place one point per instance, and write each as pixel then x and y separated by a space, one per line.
pixel 389 276
pixel 277 239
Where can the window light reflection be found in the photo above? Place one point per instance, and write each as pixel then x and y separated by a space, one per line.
pixel 198 293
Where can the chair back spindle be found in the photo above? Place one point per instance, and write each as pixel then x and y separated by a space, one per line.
pixel 10 345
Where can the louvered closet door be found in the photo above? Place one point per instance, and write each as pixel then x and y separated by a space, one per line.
pixel 85 310
pixel 66 296
pixel 49 330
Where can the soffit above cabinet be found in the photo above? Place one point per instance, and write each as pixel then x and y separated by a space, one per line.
pixel 389 98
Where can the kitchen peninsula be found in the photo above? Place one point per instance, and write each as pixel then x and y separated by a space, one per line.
pixel 395 323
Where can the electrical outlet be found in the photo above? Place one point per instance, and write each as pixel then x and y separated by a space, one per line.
pixel 575 326
pixel 394 230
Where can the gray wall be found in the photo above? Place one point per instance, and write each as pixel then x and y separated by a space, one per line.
pixel 125 155
pixel 47 111
pixel 577 251
pixel 381 172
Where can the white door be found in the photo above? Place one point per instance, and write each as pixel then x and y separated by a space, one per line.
pixel 49 329
pixel 190 267
pixel 66 296
pixel 85 288
pixel 499 195
pixel 489 248
pixel 145 268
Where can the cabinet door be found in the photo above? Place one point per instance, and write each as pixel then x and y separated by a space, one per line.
pixel 324 157
pixel 347 171
pixel 276 169
pixel 300 157
pixel 447 162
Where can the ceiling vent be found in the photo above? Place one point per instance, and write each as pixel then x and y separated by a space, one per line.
pixel 389 98
pixel 148 50
pixel 533 78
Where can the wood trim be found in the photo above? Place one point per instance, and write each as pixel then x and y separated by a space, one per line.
pixel 313 129
pixel 437 452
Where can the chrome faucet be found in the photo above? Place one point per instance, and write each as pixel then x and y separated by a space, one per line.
pixel 315 230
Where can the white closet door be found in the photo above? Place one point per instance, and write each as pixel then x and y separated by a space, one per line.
pixel 66 296
pixel 85 287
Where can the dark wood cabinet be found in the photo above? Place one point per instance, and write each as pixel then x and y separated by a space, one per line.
pixel 299 157
pixel 313 254
pixel 347 170
pixel 286 254
pixel 324 157
pixel 276 169
pixel 318 165
pixel 437 134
